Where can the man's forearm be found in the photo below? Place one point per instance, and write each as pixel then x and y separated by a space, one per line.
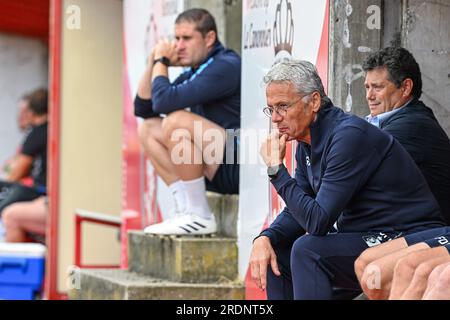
pixel 151 72
pixel 145 84
pixel 20 168
pixel 160 70
pixel 284 229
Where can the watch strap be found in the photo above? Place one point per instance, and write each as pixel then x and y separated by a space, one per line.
pixel 272 171
pixel 164 60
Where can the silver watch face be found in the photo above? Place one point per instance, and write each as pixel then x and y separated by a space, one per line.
pixel 271 171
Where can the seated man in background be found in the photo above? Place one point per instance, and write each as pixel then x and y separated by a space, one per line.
pixel 24 115
pixel 32 158
pixel 25 220
pixel 210 87
pixel 24 124
pixel 393 89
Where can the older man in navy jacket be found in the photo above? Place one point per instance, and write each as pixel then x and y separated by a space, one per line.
pixel 354 187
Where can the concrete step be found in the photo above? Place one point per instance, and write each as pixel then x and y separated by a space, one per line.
pixel 183 259
pixel 225 208
pixel 102 284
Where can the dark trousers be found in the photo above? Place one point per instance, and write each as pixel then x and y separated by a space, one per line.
pixel 317 267
pixel 15 192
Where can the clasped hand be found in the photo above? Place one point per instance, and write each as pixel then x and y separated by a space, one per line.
pixel 273 149
pixel 168 49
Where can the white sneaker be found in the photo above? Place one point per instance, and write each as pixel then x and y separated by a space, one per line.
pixel 186 224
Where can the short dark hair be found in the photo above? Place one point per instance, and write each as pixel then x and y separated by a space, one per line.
pixel 25 98
pixel 203 20
pixel 400 65
pixel 38 101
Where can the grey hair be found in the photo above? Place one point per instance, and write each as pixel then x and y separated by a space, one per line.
pixel 302 74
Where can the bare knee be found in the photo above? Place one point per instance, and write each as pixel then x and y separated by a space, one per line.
pixel 435 274
pixel 175 120
pixel 405 266
pixel 439 289
pixel 360 264
pixel 424 270
pixel 150 135
pixel 444 278
pixel 364 259
pixel 149 128
pixel 8 215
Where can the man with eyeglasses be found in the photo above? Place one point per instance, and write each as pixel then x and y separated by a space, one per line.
pixel 354 187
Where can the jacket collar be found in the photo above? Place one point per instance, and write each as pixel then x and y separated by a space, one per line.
pixel 217 47
pixel 324 124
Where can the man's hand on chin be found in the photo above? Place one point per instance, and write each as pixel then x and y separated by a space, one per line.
pixel 273 150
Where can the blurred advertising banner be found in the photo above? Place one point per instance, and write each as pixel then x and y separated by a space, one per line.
pixel 145 197
pixel 271 30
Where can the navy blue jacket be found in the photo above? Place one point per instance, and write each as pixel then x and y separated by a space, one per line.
pixel 418 131
pixel 353 174
pixel 213 91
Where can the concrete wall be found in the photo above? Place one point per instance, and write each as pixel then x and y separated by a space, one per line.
pixel 233 24
pixel 228 15
pixel 426 33
pixel 91 128
pixel 350 41
pixel 24 67
pixel 420 26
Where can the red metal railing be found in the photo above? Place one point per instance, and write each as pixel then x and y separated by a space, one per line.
pixel 97 218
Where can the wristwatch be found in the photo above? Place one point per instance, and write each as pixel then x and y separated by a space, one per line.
pixel 164 60
pixel 272 171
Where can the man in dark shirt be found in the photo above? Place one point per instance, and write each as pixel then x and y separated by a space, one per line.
pixel 188 146
pixel 32 158
pixel 355 186
pixel 23 123
pixel 393 89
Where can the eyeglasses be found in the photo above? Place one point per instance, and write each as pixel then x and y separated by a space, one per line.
pixel 281 109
